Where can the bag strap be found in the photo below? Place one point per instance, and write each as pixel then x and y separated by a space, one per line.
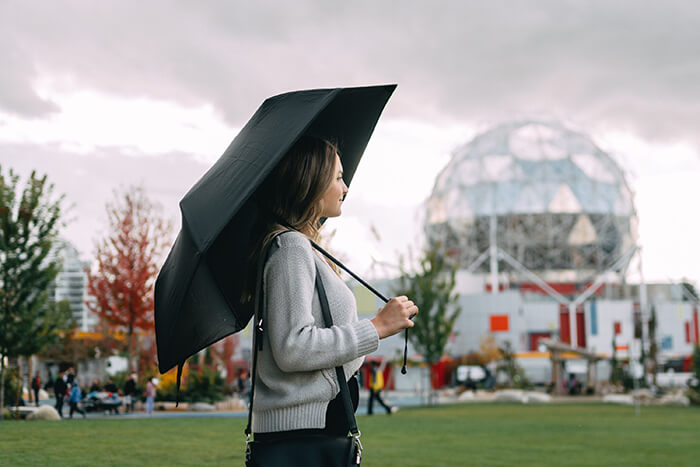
pixel 258 326
pixel 257 344
pixel 339 372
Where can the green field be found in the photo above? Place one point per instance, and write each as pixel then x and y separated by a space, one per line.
pixel 477 434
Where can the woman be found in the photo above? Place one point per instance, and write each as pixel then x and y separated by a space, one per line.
pixel 297 390
pixel 150 396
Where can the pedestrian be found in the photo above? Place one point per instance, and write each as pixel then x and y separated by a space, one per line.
pixel 95 386
pixel 59 389
pixel 469 383
pixel 573 386
pixel 111 387
pixel 376 385
pixel 297 389
pixel 70 376
pixel 150 396
pixel 75 398
pixel 130 393
pixel 36 387
pixel 241 385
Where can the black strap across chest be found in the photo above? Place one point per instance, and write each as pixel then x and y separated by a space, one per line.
pixel 258 339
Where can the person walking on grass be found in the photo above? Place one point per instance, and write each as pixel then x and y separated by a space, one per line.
pixel 376 384
pixel 60 388
pixel 36 387
pixel 74 400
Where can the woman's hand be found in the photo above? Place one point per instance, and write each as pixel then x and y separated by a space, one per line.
pixel 394 316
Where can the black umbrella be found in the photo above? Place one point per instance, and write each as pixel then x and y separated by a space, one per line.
pixel 198 288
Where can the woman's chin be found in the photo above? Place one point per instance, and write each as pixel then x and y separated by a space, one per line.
pixel 333 214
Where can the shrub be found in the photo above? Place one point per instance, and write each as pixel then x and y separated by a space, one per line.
pixel 203 384
pixel 167 388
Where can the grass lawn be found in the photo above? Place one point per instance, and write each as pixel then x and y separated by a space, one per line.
pixel 470 434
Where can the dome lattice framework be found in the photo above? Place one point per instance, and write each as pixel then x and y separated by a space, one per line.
pixel 562 205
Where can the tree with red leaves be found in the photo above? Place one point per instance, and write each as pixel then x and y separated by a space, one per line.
pixel 127 265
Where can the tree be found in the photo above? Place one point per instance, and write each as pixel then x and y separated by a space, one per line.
pixel 690 294
pixel 126 265
pixel 431 288
pixel 29 222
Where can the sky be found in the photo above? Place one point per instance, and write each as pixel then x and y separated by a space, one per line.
pixel 102 95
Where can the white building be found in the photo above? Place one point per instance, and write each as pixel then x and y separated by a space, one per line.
pixel 71 284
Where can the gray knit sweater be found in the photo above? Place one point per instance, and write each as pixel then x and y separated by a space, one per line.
pixel 296 377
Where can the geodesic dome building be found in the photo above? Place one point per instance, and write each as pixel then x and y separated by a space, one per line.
pixel 562 206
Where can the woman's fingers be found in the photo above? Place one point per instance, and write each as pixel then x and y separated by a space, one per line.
pixel 410 308
pixel 395 316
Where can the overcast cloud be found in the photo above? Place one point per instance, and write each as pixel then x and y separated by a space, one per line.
pixel 612 67
pixel 618 63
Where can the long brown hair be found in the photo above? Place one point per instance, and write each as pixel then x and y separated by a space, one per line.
pixel 291 196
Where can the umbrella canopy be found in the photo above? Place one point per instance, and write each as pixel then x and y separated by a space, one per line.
pixel 198 288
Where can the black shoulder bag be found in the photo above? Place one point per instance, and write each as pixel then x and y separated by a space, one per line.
pixel 308 450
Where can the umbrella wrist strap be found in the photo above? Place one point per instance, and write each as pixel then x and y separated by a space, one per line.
pixel 371 289
pixel 344 268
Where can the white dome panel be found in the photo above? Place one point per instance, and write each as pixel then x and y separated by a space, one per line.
pixel 583 232
pixel 564 201
pixel 497 168
pixel 594 167
pixel 534 197
pixel 468 172
pixel 536 142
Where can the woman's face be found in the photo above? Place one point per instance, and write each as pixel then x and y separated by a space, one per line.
pixel 333 199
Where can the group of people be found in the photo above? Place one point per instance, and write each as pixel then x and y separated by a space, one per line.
pixel 66 385
pixel 129 392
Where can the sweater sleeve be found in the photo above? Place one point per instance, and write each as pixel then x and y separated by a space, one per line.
pixel 296 342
